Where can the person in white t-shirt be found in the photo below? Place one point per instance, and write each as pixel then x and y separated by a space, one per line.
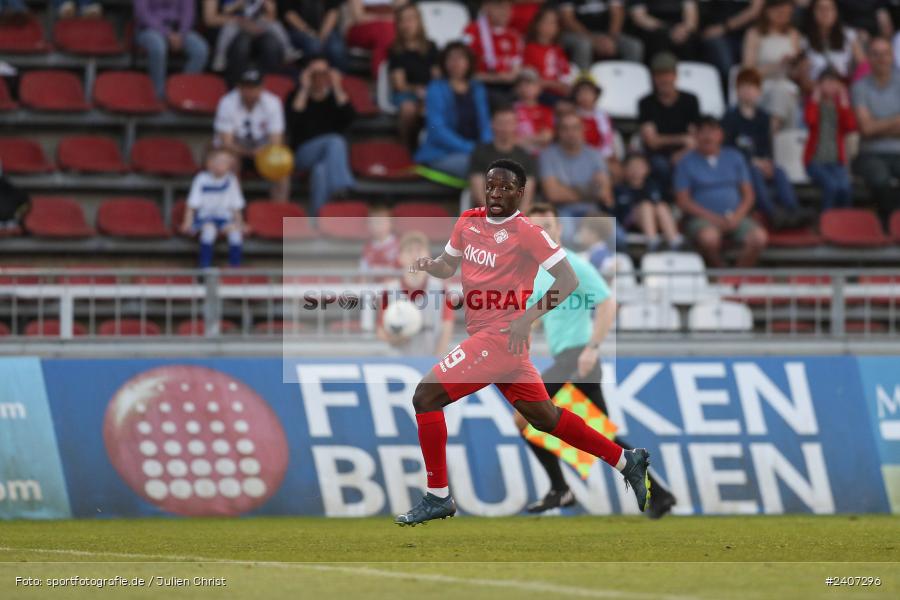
pixel 214 206
pixel 248 119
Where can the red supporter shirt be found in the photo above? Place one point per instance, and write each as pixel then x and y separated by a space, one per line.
pixel 503 51
pixel 598 131
pixel 381 254
pixel 500 259
pixel 531 120
pixel 548 60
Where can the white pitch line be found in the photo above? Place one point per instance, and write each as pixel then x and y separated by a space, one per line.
pixel 522 585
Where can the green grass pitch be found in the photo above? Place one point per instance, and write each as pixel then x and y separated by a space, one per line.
pixel 466 558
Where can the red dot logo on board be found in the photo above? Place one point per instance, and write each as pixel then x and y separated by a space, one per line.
pixel 194 441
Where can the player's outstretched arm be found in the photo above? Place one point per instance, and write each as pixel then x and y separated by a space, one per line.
pixel 442 267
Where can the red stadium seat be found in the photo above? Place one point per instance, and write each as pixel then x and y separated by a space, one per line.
pixel 794 238
pixel 128 327
pixel 24 156
pixel 52 90
pixel 865 327
pixel 19 278
pixel 345 327
pixel 852 227
pixel 50 328
pixel 163 156
pixel 360 95
pixel 280 85
pixel 87 275
pixel 197 327
pixel 381 159
pixel 131 218
pixel 265 221
pixel 195 92
pixel 344 220
pixel 22 35
pixel 56 218
pixel 162 279
pixel 894 227
pixel 431 219
pixel 234 276
pixel 92 36
pixel 4 329
pixel 6 101
pixel 793 327
pixel 126 92
pixel 278 327
pixel 90 154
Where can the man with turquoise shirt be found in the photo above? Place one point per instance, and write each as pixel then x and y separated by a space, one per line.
pixel 574 336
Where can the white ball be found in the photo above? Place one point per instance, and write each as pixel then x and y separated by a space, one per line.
pixel 403 318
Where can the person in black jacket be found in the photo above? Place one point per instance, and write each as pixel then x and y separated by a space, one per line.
pixel 318 112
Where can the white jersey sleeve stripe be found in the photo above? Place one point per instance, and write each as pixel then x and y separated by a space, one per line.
pixel 451 250
pixel 554 259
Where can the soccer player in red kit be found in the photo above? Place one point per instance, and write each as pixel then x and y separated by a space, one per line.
pixel 500 252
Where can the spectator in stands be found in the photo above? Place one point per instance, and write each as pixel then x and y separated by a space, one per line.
pixel 370 25
pixel 249 118
pixel 318 113
pixel 667 25
pixel 380 250
pixel 429 294
pixel 498 49
pixel 828 44
pixel 544 54
pixel 214 207
pixel 573 175
pixel 412 64
pixel 773 47
pixel 12 7
pixel 596 234
pixel 165 26
pixel 534 121
pixel 713 189
pixel 723 24
pixel 876 100
pixel 457 116
pixel 66 9
pixel 829 118
pixel 639 200
pixel 870 18
pixel 594 29
pixel 667 119
pixel 598 127
pixel 503 145
pixel 249 32
pixel 313 26
pixel 748 128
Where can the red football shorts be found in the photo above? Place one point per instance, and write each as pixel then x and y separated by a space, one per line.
pixel 484 359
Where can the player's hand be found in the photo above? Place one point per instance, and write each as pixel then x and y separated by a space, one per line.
pixel 519 332
pixel 422 264
pixel 587 360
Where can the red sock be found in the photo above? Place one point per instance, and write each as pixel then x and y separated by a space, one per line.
pixel 433 440
pixel 574 431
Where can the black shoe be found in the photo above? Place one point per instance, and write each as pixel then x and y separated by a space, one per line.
pixel 661 503
pixel 429 508
pixel 553 499
pixel 637 463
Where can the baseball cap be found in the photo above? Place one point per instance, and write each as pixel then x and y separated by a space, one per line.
pixel 528 74
pixel 664 61
pixel 250 77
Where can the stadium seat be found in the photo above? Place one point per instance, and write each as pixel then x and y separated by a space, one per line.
pixel 131 218
pixel 50 328
pixel 22 35
pixel 52 90
pixel 4 329
pixel 20 278
pixel 126 92
pixel 854 227
pixel 278 327
pixel 383 91
pixel 360 96
pixel 23 156
pixel 344 220
pixel 793 327
pixel 865 327
pixel 678 277
pixel 6 100
pixel 431 219
pixel 624 84
pixel 794 238
pixel 894 227
pixel 280 85
pixel 444 21
pixel 381 159
pixel 345 327
pixel 197 93
pixel 265 219
pixel 720 315
pixel 702 80
pixel 56 218
pixel 163 156
pixel 90 154
pixel 87 275
pixel 164 279
pixel 789 145
pixel 93 36
pixel 648 316
pixel 128 328
pixel 197 327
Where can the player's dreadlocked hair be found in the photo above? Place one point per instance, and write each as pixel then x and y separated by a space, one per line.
pixel 513 167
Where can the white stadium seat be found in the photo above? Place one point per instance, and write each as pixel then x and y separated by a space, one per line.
pixel 676 277
pixel 444 21
pixel 383 90
pixel 624 84
pixel 789 145
pixel 720 316
pixel 648 316
pixel 702 80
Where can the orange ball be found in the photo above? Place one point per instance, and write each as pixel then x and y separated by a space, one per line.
pixel 274 162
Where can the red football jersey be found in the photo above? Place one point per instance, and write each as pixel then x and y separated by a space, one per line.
pixel 548 60
pixel 531 120
pixel 380 254
pixel 501 53
pixel 500 259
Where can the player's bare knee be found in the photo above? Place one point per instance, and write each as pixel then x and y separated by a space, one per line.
pixel 428 397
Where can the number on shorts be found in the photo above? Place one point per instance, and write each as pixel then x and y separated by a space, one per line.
pixel 454 358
